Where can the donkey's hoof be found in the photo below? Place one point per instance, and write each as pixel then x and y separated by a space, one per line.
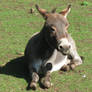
pixel 33 85
pixel 65 68
pixel 46 84
pixel 72 66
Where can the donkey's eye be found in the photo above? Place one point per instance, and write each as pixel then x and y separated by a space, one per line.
pixel 53 32
pixel 53 28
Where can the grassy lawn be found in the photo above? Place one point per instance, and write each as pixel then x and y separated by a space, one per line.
pixel 16 27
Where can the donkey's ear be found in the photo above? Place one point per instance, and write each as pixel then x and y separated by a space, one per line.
pixel 43 12
pixel 66 11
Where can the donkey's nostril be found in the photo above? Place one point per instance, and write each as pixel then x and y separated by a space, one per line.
pixel 69 46
pixel 61 47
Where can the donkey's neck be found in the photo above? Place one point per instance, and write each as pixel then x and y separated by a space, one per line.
pixel 45 49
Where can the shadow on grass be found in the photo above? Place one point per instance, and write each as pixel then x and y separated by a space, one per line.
pixel 17 68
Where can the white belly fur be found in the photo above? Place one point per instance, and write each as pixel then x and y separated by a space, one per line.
pixel 58 66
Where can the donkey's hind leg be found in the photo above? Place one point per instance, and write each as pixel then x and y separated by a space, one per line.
pixel 66 67
pixel 75 58
pixel 72 62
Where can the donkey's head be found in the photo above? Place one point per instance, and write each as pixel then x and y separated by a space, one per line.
pixel 55 28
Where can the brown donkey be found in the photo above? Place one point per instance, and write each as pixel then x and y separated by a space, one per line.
pixel 50 49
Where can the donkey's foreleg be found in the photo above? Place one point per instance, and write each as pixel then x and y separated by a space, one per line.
pixel 34 80
pixel 46 81
pixel 34 69
pixel 34 76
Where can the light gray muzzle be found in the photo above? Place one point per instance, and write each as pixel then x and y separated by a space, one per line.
pixel 64 46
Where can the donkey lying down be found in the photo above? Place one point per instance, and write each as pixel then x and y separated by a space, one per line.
pixel 52 48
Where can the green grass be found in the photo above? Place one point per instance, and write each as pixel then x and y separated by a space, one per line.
pixel 16 27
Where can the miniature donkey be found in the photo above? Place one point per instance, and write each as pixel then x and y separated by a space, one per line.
pixel 52 48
